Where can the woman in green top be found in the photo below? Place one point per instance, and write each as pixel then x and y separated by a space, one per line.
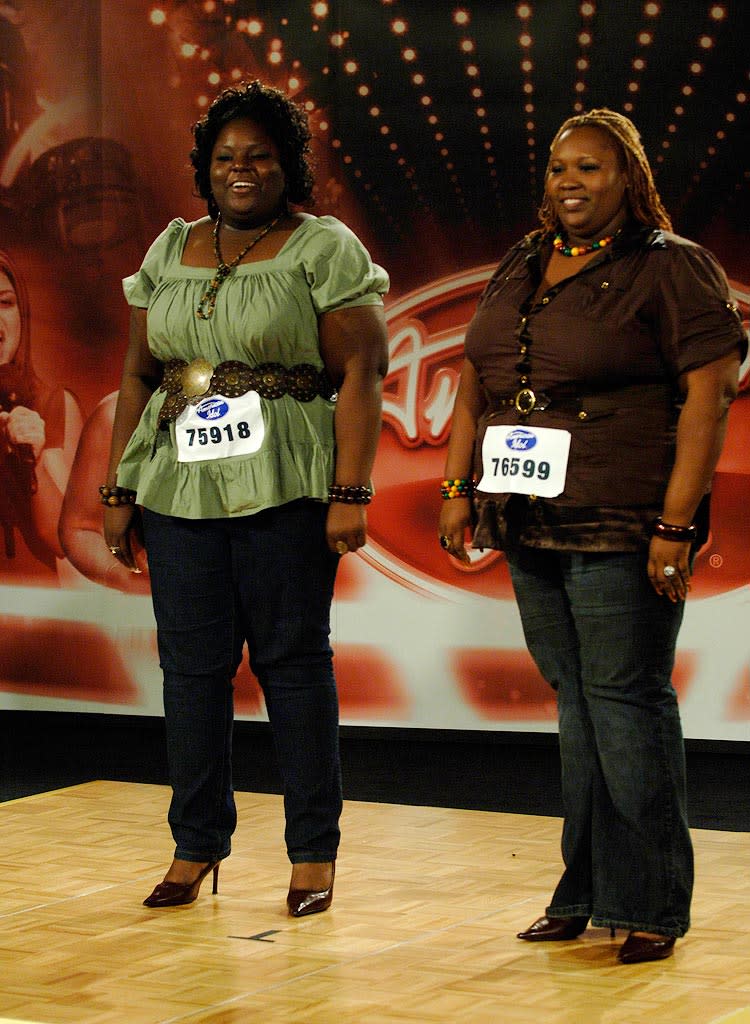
pixel 246 429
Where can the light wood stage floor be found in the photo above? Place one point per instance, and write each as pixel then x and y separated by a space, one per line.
pixel 422 928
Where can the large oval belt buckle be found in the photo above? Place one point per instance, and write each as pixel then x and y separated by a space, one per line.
pixel 196 378
pixel 525 401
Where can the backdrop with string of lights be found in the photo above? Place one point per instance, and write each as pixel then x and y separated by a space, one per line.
pixel 431 125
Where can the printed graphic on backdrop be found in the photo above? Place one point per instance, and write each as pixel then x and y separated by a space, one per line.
pixel 430 126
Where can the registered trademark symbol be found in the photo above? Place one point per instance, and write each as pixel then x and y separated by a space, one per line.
pixel 715 561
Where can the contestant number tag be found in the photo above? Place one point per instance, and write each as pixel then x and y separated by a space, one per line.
pixel 522 460
pixel 219 427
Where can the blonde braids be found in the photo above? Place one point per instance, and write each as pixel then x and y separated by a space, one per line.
pixel 645 204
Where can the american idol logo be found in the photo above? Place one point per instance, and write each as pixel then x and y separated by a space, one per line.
pixel 212 409
pixel 426 332
pixel 520 440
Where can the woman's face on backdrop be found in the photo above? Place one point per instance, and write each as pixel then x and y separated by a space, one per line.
pixel 247 180
pixel 10 320
pixel 586 183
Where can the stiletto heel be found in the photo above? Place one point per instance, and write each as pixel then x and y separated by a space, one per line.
pixel 178 894
pixel 301 902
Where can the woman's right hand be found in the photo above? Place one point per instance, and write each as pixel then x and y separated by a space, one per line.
pixel 24 426
pixel 122 529
pixel 455 519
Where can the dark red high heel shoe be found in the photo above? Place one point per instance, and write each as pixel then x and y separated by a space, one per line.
pixel 554 929
pixel 639 949
pixel 302 902
pixel 177 894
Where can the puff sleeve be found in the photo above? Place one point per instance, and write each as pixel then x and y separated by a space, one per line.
pixel 339 270
pixel 139 287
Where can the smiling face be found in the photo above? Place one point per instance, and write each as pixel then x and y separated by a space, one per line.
pixel 247 180
pixel 586 184
pixel 10 320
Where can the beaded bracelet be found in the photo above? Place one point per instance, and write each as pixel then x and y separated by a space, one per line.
pixel 458 488
pixel 350 495
pixel 668 531
pixel 113 496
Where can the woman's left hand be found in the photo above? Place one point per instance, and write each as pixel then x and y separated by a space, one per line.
pixel 346 527
pixel 354 346
pixel 669 568
pixel 701 427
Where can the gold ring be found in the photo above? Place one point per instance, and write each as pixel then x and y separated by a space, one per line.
pixel 342 547
pixel 445 543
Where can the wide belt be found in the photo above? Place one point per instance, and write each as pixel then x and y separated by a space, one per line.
pixel 188 383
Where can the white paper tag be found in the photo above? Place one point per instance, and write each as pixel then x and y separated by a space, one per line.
pixel 524 460
pixel 219 427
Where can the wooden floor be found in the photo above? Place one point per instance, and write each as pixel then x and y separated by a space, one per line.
pixel 422 928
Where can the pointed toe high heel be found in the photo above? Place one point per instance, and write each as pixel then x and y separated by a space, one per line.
pixel 639 949
pixel 301 902
pixel 554 929
pixel 178 894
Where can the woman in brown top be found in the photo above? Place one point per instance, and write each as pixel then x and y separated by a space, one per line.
pixel 600 365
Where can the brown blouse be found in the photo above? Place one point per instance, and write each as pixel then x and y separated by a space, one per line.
pixel 602 352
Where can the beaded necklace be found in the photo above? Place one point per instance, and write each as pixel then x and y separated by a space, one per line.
pixel 207 304
pixel 579 250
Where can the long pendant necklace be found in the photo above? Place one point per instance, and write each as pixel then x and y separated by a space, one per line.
pixel 580 250
pixel 207 304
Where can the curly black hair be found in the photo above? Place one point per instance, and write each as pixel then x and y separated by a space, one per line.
pixel 284 120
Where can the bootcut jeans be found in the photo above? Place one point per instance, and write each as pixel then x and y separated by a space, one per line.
pixel 265 579
pixel 605 640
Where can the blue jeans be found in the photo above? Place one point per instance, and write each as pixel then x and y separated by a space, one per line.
pixel 604 639
pixel 265 579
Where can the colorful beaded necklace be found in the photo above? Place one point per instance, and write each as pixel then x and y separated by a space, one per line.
pixel 579 250
pixel 208 302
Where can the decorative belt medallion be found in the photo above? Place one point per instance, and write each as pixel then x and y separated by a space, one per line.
pixel 196 378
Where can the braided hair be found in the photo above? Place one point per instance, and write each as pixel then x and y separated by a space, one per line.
pixel 645 204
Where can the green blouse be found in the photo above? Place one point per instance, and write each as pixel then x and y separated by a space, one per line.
pixel 265 312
